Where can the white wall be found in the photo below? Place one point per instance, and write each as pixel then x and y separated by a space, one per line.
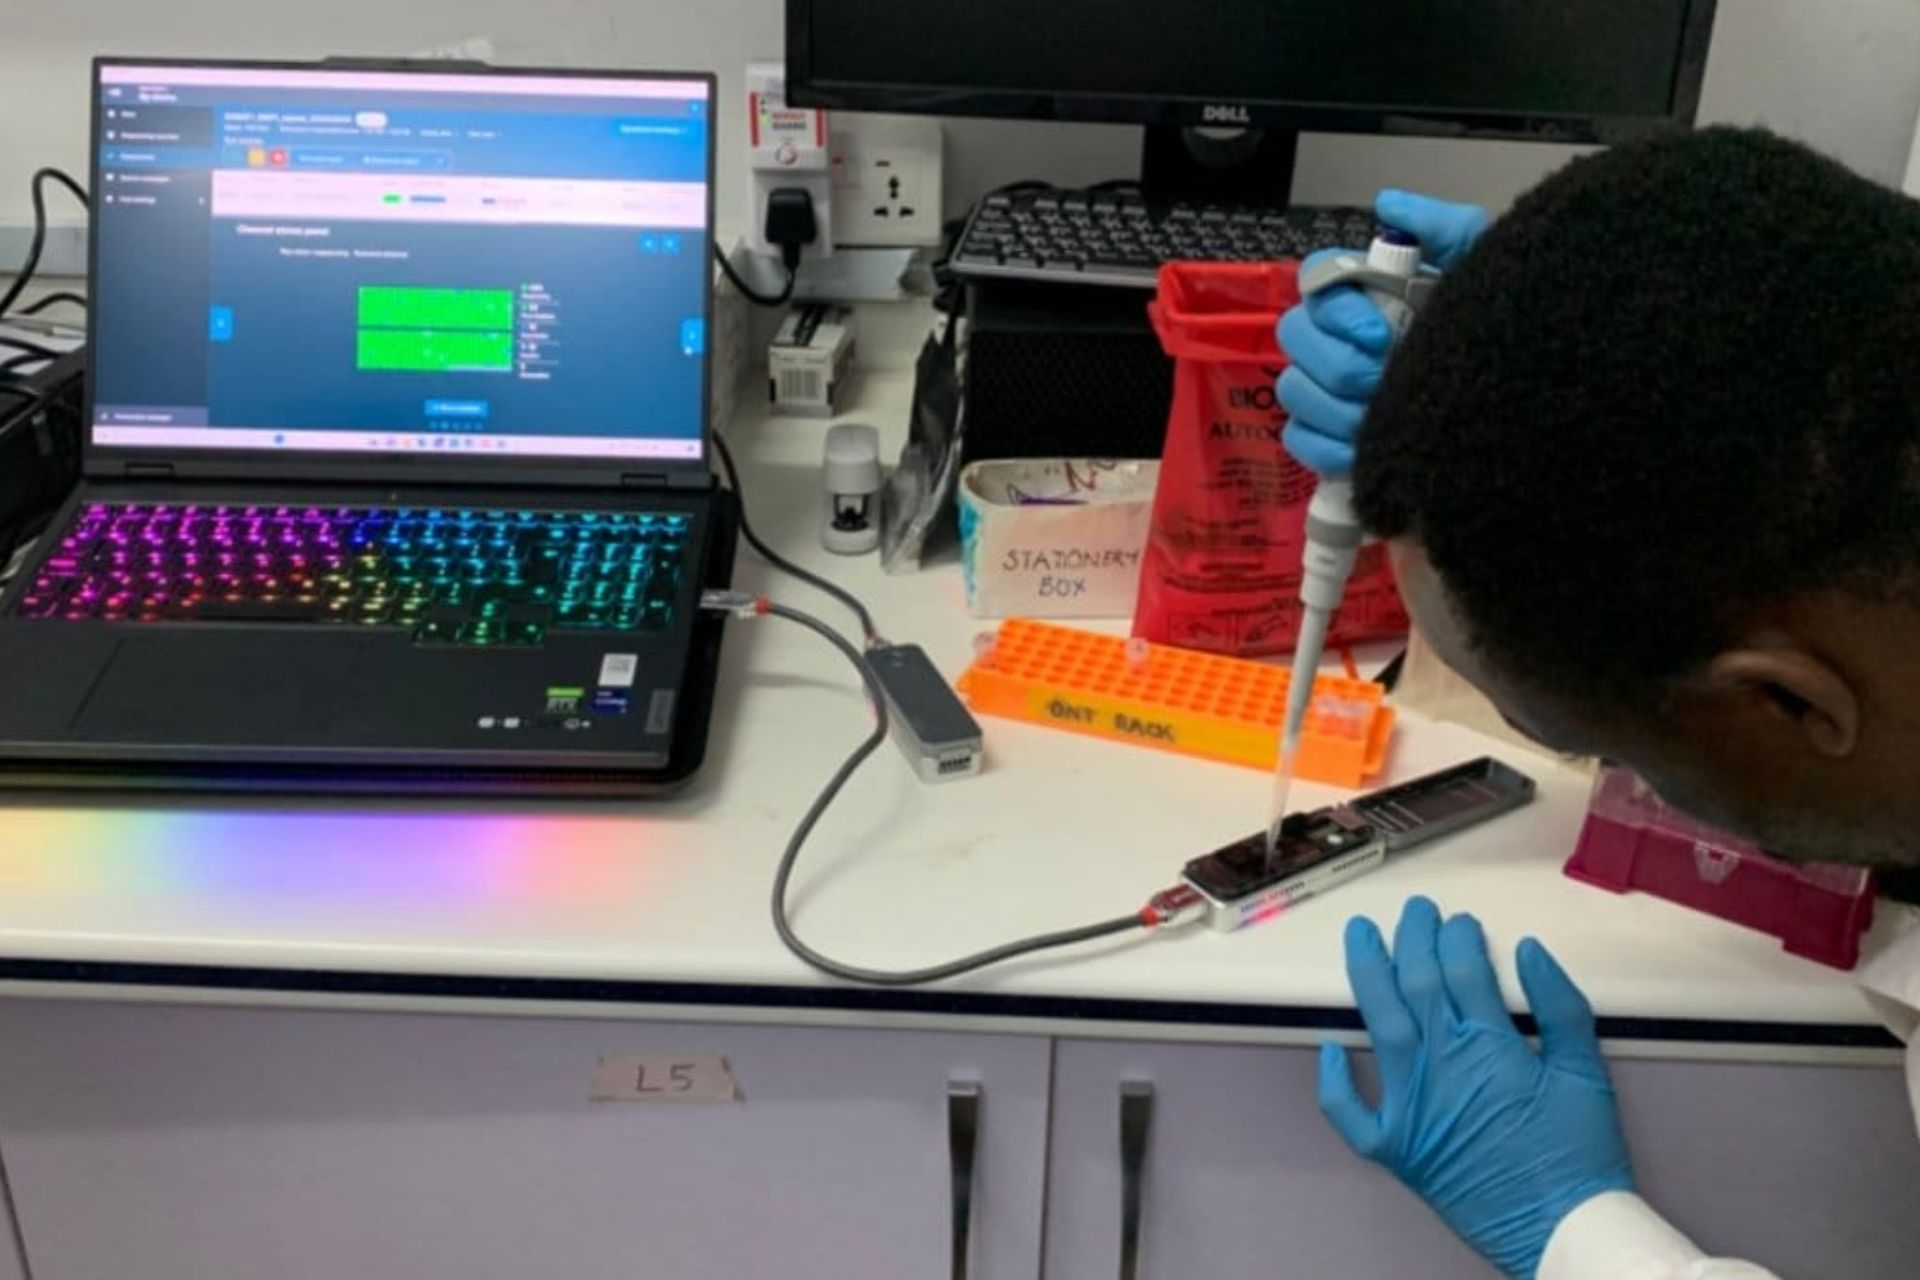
pixel 1842 74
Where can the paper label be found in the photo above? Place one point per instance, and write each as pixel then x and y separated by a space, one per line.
pixel 1054 539
pixel 664 1078
pixel 618 670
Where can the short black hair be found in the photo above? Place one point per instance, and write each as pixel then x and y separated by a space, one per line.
pixel 1679 378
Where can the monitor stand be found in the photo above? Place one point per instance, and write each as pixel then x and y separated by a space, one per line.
pixel 1237 166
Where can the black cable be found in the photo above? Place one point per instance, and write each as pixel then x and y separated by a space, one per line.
pixel 32 399
pixel 881 977
pixel 17 363
pixel 33 349
pixel 780 562
pixel 53 300
pixel 37 190
pixel 748 291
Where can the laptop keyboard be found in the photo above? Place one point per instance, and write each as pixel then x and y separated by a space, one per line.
pixel 453 577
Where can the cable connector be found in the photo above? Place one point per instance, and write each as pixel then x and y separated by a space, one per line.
pixel 740 604
pixel 1176 906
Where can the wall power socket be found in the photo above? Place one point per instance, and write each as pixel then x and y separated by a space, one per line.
pixel 887 174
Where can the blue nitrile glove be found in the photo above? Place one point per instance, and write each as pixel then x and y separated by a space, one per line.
pixel 1501 1141
pixel 1338 341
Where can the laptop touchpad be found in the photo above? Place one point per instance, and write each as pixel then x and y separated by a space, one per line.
pixel 268 689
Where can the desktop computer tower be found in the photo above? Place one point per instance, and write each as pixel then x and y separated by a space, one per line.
pixel 1058 372
pixel 40 431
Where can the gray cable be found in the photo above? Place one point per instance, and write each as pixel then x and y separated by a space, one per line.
pixel 785 565
pixel 881 977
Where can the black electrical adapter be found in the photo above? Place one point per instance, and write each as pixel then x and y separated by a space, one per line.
pixel 791 222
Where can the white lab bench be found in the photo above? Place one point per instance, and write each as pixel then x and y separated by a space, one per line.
pixel 324 1039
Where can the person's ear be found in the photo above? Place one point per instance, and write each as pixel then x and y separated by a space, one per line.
pixel 1798 686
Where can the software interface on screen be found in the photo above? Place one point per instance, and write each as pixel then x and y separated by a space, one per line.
pixel 359 261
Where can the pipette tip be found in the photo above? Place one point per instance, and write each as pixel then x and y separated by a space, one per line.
pixel 1282 791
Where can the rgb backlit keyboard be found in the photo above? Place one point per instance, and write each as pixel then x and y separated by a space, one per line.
pixel 451 576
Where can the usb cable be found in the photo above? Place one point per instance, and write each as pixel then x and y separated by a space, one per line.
pixel 784 565
pixel 1170 907
pixel 1173 906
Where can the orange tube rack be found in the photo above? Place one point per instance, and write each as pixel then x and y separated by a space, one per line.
pixel 1197 704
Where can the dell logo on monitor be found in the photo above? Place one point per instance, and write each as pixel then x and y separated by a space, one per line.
pixel 1227 115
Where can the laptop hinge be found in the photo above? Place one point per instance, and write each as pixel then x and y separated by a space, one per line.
pixel 148 471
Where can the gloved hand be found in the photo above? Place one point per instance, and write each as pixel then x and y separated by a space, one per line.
pixel 1338 341
pixel 1501 1141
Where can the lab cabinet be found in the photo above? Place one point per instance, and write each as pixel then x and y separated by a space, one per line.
pixel 177 1143
pixel 1212 1162
pixel 1229 1172
pixel 227 1143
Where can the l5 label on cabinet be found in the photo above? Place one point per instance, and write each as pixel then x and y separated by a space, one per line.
pixel 664 1078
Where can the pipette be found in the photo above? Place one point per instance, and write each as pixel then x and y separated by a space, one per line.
pixel 1390 275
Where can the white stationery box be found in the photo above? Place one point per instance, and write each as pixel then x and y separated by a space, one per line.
pixel 1054 537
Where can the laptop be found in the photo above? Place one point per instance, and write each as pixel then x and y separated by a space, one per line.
pixel 396 475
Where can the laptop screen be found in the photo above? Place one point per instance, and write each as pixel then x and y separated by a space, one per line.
pixel 370 261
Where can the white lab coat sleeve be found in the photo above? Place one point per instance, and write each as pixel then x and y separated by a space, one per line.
pixel 1618 1236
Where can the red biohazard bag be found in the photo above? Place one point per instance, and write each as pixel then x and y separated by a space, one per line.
pixel 1223 564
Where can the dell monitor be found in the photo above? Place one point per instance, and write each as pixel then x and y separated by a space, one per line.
pixel 1574 71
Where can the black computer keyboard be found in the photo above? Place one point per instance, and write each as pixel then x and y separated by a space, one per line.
pixel 1122 238
pixel 451 576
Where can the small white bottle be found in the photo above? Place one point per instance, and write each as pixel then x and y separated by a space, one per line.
pixel 851 521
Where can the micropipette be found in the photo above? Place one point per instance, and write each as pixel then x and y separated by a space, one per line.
pixel 1390 275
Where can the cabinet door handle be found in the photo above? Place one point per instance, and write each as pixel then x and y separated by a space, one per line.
pixel 963 1141
pixel 1136 1122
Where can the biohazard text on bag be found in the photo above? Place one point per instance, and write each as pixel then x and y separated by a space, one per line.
pixel 1223 563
